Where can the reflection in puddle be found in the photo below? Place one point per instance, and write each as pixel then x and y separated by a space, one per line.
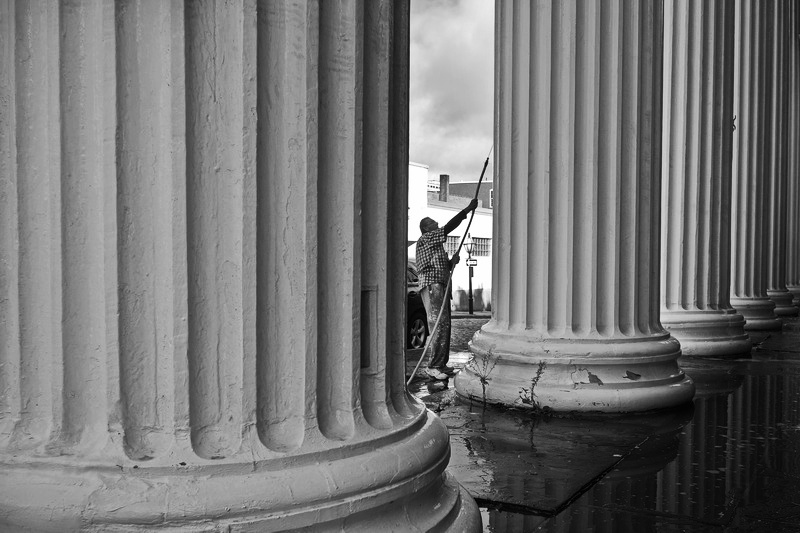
pixel 733 463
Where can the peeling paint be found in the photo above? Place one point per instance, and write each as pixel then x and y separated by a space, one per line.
pixel 594 379
pixel 580 375
pixel 583 376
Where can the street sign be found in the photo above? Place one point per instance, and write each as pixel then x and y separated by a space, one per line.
pixel 471 262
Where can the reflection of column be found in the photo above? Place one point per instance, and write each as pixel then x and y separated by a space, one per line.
pixel 194 328
pixel 735 435
pixel 775 216
pixel 675 476
pixel 793 188
pixel 696 179
pixel 549 469
pixel 578 128
pixel 748 247
pixel 689 486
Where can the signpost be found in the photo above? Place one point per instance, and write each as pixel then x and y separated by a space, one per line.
pixel 469 244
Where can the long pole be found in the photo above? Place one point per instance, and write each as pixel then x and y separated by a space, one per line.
pixel 450 277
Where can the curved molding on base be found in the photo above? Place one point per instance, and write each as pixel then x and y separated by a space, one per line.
pixel 615 375
pixel 708 333
pixel 394 486
pixel 795 290
pixel 783 302
pixel 759 313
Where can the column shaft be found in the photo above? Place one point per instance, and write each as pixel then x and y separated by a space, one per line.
pixel 578 158
pixel 31 314
pixel 339 279
pixel 9 246
pixel 777 163
pixel 148 269
pixel 696 179
pixel 373 167
pixel 286 51
pixel 748 247
pixel 86 100
pixel 215 217
pixel 202 249
pixel 793 155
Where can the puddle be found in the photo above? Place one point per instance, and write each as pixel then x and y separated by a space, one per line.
pixel 730 461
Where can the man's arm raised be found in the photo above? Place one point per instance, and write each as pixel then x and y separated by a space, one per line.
pixel 454 222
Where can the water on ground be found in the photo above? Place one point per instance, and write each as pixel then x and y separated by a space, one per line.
pixel 729 461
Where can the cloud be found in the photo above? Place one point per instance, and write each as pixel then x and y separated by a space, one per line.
pixel 452 61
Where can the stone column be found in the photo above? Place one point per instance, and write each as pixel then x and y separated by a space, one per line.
pixel 793 197
pixel 696 179
pixel 777 158
pixel 748 233
pixel 203 224
pixel 576 260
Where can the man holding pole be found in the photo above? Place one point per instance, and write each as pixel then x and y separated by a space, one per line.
pixel 434 267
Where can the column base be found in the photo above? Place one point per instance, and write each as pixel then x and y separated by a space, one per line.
pixel 708 333
pixel 795 290
pixel 394 486
pixel 759 313
pixel 783 302
pixel 614 375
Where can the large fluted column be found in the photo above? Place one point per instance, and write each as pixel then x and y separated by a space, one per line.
pixel 696 179
pixel 195 331
pixel 777 159
pixel 577 133
pixel 748 234
pixel 793 197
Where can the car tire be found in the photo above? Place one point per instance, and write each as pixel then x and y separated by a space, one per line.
pixel 417 331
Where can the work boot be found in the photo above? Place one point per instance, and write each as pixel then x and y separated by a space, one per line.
pixel 436 374
pixel 447 369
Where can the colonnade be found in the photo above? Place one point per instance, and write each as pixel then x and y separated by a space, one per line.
pixel 202 229
pixel 646 197
pixel 203 214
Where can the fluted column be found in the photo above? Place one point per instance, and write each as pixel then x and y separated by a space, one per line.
pixel 576 283
pixel 696 179
pixel 203 220
pixel 30 276
pixel 777 169
pixel 750 192
pixel 793 178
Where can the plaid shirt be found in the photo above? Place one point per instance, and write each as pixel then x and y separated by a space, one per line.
pixel 433 265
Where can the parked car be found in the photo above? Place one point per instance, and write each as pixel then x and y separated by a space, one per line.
pixel 416 317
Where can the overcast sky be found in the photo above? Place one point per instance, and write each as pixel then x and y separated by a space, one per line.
pixel 452 58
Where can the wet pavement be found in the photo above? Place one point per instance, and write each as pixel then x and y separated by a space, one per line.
pixel 729 461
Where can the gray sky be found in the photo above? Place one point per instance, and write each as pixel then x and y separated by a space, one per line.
pixel 452 61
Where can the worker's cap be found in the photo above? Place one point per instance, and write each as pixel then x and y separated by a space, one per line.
pixel 427 224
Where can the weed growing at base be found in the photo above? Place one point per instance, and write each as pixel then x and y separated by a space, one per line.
pixel 483 370
pixel 528 396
